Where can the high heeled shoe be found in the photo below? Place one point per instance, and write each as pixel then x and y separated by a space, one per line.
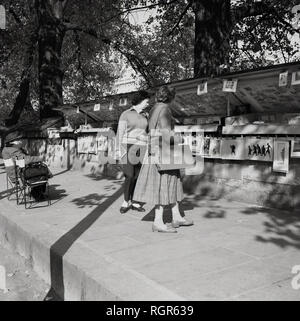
pixel 124 209
pixel 166 229
pixel 137 208
pixel 186 222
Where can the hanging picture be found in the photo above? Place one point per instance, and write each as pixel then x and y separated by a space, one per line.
pixel 111 146
pixel 230 85
pixel 102 143
pixel 215 148
pixel 296 78
pixel 259 149
pixel 53 133
pixel 295 152
pixel 202 88
pixel 97 107
pixel 192 136
pixel 123 102
pixel 281 156
pixel 283 79
pixel 82 146
pixel 206 146
pixel 233 149
pixel 197 144
pixel 92 141
pixel 87 144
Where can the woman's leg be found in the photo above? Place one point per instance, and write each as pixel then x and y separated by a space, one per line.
pixel 178 219
pixel 129 177
pixel 133 184
pixel 158 219
pixel 176 215
pixel 158 224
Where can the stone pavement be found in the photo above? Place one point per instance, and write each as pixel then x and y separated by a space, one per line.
pixel 87 250
pixel 21 282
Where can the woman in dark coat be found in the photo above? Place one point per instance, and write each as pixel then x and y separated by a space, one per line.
pixel 161 188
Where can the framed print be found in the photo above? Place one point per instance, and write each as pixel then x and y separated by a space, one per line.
pixel 259 149
pixel 230 86
pixel 82 145
pixel 53 133
pixel 215 148
pixel 193 136
pixel 206 146
pixel 92 144
pixel 102 143
pixel 97 107
pixel 283 79
pixel 87 144
pixel 296 78
pixel 123 102
pixel 295 150
pixel 202 88
pixel 233 149
pixel 281 156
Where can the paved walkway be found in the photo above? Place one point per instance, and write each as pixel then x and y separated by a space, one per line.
pixel 22 283
pixel 87 250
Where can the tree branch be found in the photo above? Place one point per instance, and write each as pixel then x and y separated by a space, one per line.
pixel 256 9
pixel 16 17
pixel 150 6
pixel 181 17
pixel 78 54
pixel 243 11
pixel 137 64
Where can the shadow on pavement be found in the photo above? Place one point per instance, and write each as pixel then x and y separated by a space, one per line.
pixel 283 227
pixel 60 248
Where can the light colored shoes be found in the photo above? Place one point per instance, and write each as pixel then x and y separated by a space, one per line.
pixel 163 229
pixel 186 222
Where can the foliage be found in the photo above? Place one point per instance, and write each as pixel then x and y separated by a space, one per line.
pixel 99 38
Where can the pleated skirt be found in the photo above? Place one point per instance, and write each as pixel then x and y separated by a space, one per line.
pixel 158 188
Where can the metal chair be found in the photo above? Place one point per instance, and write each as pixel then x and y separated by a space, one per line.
pixel 31 181
pixel 13 182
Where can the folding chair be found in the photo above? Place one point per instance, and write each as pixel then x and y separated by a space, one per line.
pixel 31 181
pixel 13 181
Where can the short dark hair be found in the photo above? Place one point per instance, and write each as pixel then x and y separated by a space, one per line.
pixel 139 96
pixel 165 94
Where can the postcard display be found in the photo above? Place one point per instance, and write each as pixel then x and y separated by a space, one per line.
pixel 95 141
pixel 87 144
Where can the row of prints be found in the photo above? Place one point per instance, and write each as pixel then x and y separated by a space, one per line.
pixel 248 148
pixel 231 85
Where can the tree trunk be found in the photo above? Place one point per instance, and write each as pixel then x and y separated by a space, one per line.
pixel 20 103
pixel 23 97
pixel 50 42
pixel 212 28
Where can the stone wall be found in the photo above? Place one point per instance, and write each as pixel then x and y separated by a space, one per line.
pixel 63 156
pixel 248 181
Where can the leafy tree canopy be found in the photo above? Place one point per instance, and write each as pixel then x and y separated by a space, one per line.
pixel 179 39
